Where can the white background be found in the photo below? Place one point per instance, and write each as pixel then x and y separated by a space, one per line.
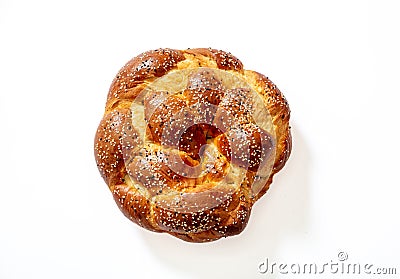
pixel 338 64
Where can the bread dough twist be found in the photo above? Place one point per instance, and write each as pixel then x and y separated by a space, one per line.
pixel 189 141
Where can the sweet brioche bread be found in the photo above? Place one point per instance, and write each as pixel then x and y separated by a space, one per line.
pixel 189 141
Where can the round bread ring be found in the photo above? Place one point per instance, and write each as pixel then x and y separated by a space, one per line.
pixel 117 139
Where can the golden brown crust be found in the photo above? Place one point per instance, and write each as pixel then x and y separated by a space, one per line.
pixel 115 138
pixel 134 205
pixel 192 207
pixel 279 110
pixel 145 67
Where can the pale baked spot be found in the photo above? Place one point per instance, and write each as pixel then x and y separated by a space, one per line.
pixel 196 61
pixel 137 109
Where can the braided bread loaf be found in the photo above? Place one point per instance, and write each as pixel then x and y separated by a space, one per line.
pixel 190 140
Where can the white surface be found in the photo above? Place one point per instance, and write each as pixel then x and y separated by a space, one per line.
pixel 337 62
